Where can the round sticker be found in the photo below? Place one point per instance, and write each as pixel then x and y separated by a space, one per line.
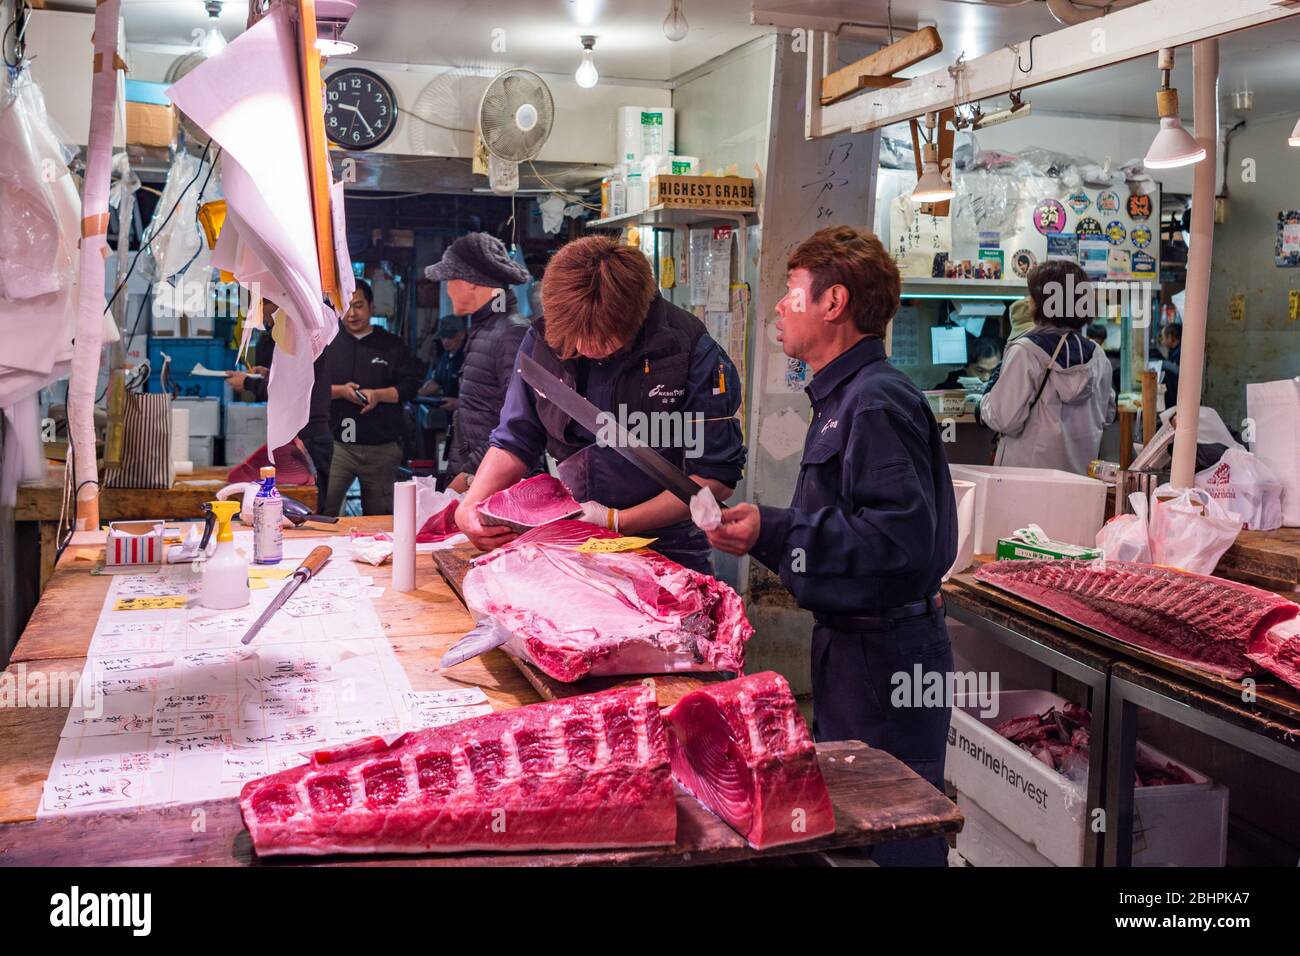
pixel 1079 202
pixel 1141 236
pixel 1108 202
pixel 1022 262
pixel 1088 228
pixel 1116 233
pixel 1139 208
pixel 1144 266
pixel 1049 216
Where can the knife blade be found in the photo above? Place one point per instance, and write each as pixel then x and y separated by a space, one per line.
pixel 645 458
pixel 302 574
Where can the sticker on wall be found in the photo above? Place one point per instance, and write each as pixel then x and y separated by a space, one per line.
pixel 991 264
pixel 1116 233
pixel 1089 228
pixel 1094 257
pixel 1108 202
pixel 1022 261
pixel 1079 201
pixel 990 240
pixel 1063 245
pixel 1287 248
pixel 1118 264
pixel 1139 207
pixel 1237 308
pixel 1049 216
pixel 1141 236
pixel 1144 266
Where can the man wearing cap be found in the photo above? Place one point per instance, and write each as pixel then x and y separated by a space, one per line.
pixel 478 273
pixel 444 379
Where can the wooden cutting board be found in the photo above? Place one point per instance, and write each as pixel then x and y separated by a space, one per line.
pixel 454 564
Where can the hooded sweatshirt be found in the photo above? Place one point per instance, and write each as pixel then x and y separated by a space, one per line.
pixel 1063 428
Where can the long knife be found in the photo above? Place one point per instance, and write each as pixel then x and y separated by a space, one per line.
pixel 645 458
pixel 302 574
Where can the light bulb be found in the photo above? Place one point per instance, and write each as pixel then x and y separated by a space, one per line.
pixel 213 43
pixel 1294 139
pixel 586 75
pixel 675 25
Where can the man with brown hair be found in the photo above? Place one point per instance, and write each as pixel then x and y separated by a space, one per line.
pixel 872 528
pixel 645 364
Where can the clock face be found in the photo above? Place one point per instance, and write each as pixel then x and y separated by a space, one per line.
pixel 360 109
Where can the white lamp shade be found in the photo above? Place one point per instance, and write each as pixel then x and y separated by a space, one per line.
pixel 1173 146
pixel 931 187
pixel 1295 135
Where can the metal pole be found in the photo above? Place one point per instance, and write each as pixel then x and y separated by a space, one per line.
pixel 1205 82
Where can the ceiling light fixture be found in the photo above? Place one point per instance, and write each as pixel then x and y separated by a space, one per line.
pixel 1173 145
pixel 214 41
pixel 585 75
pixel 932 187
pixel 329 43
pixel 675 25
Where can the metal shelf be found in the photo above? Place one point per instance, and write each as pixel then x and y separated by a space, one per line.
pixel 930 288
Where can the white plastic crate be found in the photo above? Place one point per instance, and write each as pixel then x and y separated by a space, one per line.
pixel 1070 508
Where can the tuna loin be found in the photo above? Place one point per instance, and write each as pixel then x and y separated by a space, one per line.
pixel 529 503
pixel 579 773
pixel 742 749
pixel 575 614
pixel 1211 623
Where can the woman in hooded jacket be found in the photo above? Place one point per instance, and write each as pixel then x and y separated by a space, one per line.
pixel 1053 396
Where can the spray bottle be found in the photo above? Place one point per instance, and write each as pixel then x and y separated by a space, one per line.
pixel 268 514
pixel 225 574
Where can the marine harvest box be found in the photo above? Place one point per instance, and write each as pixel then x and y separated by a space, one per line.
pixel 1041 815
pixel 702 192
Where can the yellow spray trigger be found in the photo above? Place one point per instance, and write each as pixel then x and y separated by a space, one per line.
pixel 225 512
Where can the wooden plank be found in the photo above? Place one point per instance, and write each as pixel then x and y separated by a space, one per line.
pixel 877 799
pixel 899 55
pixel 318 163
pixel 454 564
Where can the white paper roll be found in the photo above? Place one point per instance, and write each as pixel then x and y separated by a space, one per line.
pixel 180 434
pixel 404 536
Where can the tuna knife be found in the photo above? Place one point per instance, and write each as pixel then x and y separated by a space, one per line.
pixel 303 573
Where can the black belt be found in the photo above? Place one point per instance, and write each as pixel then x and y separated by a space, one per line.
pixel 876 622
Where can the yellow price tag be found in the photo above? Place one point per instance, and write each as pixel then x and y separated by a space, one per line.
pixel 267 571
pixel 150 603
pixel 611 545
pixel 258 584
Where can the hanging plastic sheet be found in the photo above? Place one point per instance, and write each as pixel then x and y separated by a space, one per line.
pixel 247 99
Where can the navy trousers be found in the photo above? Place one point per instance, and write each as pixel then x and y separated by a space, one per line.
pixel 854 698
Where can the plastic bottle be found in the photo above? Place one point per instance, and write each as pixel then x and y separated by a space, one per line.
pixel 225 574
pixel 268 513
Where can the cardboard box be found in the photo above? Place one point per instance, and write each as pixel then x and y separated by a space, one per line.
pixel 205 417
pixel 134 542
pixel 1013 550
pixel 1066 506
pixel 702 192
pixel 149 124
pixel 1042 815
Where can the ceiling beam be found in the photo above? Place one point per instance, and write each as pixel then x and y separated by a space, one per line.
pixel 1123 35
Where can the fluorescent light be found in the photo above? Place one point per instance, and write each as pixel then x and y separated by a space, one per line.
pixel 585 75
pixel 1173 146
pixel 931 187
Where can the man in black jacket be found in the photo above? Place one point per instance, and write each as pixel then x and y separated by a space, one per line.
pixel 478 273
pixel 315 435
pixel 371 373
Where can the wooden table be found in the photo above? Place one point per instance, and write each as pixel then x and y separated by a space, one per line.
pixel 877 798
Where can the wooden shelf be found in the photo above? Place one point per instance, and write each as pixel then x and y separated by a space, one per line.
pixel 673 217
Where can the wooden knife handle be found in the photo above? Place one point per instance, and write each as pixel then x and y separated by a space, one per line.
pixel 315 561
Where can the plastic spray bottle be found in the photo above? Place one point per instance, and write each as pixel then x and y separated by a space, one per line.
pixel 268 515
pixel 225 574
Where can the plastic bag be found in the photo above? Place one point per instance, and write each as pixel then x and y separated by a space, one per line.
pixel 1189 529
pixel 1126 537
pixel 1245 486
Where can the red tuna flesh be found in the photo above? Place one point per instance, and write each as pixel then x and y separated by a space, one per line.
pixel 529 503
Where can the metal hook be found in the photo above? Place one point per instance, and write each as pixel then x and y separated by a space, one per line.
pixel 1020 66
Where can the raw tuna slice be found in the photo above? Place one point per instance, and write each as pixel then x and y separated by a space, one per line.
pixel 575 615
pixel 742 749
pixel 440 526
pixel 1211 623
pixel 579 773
pixel 532 502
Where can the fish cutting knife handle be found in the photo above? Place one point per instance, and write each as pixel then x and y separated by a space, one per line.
pixel 314 561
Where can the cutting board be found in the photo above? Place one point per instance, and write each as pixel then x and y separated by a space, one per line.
pixel 454 564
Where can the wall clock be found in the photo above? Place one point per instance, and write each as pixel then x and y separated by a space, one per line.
pixel 360 109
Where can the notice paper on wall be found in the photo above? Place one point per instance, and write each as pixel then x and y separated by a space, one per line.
pixel 905 341
pixel 948 346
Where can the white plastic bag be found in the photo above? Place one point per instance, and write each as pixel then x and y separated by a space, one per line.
pixel 1274 407
pixel 1189 529
pixel 1246 486
pixel 1126 537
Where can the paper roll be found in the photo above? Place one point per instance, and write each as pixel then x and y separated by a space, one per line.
pixel 180 434
pixel 404 536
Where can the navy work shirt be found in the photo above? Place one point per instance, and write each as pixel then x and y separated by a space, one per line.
pixel 873 522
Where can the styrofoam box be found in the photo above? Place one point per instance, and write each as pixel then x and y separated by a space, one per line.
pixel 246 419
pixel 205 417
pixel 1041 815
pixel 201 450
pixel 1069 507
pixel 240 447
